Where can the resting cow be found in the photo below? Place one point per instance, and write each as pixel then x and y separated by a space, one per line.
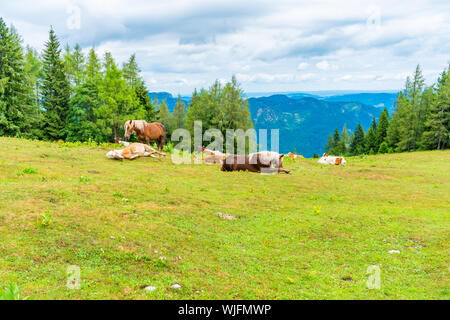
pixel 294 156
pixel 133 151
pixel 326 159
pixel 255 162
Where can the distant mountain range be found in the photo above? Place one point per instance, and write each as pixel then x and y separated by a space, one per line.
pixel 305 119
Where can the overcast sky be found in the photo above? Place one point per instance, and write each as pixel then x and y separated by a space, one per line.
pixel 277 45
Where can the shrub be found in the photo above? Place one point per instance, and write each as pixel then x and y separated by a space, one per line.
pixel 384 148
pixel 29 170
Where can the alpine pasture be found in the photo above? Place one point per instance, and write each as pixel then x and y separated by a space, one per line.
pixel 221 235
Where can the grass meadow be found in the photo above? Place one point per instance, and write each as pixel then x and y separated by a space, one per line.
pixel 313 234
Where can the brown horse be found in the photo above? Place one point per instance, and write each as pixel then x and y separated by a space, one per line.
pixel 147 132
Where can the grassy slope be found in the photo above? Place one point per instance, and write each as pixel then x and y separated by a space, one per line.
pixel 296 236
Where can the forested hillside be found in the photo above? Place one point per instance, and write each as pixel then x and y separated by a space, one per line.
pixel 420 121
pixel 304 123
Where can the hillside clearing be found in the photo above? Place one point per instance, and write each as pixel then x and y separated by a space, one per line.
pixel 133 224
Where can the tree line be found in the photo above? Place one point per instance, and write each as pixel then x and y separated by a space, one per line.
pixel 63 94
pixel 421 121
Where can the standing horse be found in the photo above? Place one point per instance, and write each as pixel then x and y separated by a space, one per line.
pixel 147 132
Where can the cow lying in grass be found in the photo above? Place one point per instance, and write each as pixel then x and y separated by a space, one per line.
pixel 134 151
pixel 294 156
pixel 255 162
pixel 118 141
pixel 326 159
pixel 212 156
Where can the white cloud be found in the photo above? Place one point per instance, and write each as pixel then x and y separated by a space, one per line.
pixel 325 65
pixel 302 66
pixel 266 42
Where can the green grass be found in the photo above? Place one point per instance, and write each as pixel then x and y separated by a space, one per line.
pixel 148 222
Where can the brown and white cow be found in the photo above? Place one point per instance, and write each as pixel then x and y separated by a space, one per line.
pixel 326 159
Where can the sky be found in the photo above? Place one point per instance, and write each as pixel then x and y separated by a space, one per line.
pixel 271 46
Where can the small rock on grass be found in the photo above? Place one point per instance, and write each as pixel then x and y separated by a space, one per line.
pixel 393 251
pixel 149 288
pixel 225 216
pixel 175 286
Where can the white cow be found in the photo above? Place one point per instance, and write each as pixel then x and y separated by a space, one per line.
pixel 326 159
pixel 133 151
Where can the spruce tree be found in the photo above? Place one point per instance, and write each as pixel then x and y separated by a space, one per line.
pixel 179 113
pixel 119 103
pixel 357 144
pixel 131 73
pixel 382 127
pixel 437 132
pixel 329 144
pixel 17 108
pixel 55 90
pixel 165 117
pixel 345 138
pixel 371 145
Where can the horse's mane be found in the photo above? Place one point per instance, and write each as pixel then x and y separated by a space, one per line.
pixel 140 124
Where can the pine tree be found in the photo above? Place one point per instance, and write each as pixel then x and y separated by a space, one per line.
pixel 383 147
pixel 55 90
pixel 371 145
pixel 221 107
pixel 357 144
pixel 119 101
pixel 345 138
pixel 393 132
pixel 93 66
pixel 437 132
pixel 329 145
pixel 410 112
pixel 179 113
pixel 382 127
pixel 81 121
pixel 74 64
pixel 131 73
pixel 17 108
pixel 418 105
pixel 336 139
pixel 165 117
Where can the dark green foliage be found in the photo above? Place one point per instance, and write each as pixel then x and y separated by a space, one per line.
pixel 371 141
pixel 421 120
pixel 437 126
pixel 382 127
pixel 179 114
pixel 18 110
pixel 81 124
pixel 221 107
pixel 357 146
pixel 383 147
pixel 55 90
